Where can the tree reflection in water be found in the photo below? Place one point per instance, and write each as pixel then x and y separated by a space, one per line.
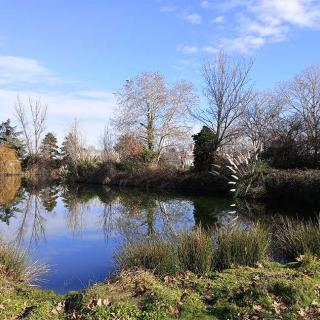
pixel 130 214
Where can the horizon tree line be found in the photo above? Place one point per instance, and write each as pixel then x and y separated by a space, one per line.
pixel 153 116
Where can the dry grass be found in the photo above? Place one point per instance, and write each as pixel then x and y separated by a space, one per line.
pixel 9 187
pixel 9 163
pixel 15 265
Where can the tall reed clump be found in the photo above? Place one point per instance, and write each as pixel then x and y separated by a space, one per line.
pixel 15 266
pixel 156 254
pixel 198 250
pixel 195 250
pixel 238 247
pixel 292 238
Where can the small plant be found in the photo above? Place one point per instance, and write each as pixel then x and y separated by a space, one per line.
pixel 247 171
pixel 14 265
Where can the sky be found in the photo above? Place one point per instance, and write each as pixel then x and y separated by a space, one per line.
pixel 73 55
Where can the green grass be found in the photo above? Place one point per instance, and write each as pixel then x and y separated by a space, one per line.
pixel 292 238
pixel 199 251
pixel 271 291
pixel 238 247
pixel 15 265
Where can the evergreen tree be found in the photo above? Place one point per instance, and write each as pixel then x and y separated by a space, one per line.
pixel 204 149
pixel 49 147
pixel 9 136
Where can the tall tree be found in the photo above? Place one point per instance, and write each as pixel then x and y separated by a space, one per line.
pixel 10 137
pixel 73 149
pixel 302 96
pixel 204 150
pixel 153 110
pixel 32 119
pixel 228 91
pixel 49 147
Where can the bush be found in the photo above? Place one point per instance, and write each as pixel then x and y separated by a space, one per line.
pixel 9 163
pixel 294 185
pixel 293 238
pixel 237 247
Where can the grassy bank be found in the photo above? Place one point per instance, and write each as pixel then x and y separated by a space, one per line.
pixel 227 274
pixel 270 291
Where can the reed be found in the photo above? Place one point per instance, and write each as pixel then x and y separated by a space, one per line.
pixel 241 247
pixel 196 251
pixel 16 266
pixel 292 238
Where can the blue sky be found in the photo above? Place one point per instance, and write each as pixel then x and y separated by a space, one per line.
pixel 74 54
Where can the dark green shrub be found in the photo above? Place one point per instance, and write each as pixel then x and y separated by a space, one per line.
pixel 204 149
pixel 294 185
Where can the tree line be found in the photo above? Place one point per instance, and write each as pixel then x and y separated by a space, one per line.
pixel 153 116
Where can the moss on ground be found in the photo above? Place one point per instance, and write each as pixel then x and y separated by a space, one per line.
pixel 269 291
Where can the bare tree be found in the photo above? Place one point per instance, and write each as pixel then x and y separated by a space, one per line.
pixel 34 127
pixel 106 143
pixel 228 91
pixel 302 95
pixel 263 118
pixel 153 110
pixel 73 149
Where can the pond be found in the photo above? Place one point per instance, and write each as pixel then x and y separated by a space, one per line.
pixel 77 230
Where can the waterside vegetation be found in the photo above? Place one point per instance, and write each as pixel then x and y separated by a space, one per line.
pixel 188 278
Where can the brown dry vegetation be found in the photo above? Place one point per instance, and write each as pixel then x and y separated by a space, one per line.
pixel 9 163
pixel 9 187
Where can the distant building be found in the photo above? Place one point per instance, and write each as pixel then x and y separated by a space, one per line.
pixel 179 157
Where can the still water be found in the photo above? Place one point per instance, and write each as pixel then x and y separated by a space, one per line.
pixel 77 230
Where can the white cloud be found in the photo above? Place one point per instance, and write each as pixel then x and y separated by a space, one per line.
pixel 219 19
pixel 193 18
pixel 63 108
pixel 187 49
pixel 92 107
pixel 167 8
pixel 22 70
pixel 268 21
pixel 210 49
pixel 205 4
pixel 303 13
pixel 242 44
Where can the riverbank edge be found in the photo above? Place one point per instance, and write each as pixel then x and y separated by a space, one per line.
pixel 269 290
pixel 288 185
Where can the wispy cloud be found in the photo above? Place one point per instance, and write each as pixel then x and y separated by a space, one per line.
pixel 92 109
pixel 21 70
pixel 247 25
pixel 219 19
pixel 193 18
pixel 259 22
pixel 167 8
pixel 29 78
pixel 187 49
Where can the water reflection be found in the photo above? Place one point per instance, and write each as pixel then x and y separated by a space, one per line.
pixel 77 229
